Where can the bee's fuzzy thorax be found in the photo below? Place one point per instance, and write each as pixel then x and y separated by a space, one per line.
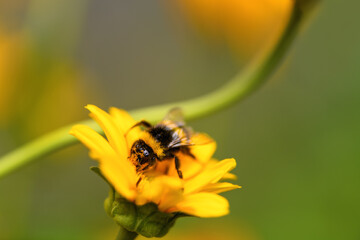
pixel 150 140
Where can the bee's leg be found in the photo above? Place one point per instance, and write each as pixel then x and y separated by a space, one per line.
pixel 143 123
pixel 140 123
pixel 138 181
pixel 177 166
pixel 186 151
pixel 167 170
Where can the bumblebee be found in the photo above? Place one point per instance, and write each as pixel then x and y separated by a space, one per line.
pixel 161 142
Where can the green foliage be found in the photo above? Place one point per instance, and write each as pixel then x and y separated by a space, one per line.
pixel 145 220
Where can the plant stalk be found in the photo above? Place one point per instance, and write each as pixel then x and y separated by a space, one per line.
pixel 124 234
pixel 243 84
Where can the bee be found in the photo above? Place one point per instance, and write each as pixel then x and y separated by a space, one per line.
pixel 161 142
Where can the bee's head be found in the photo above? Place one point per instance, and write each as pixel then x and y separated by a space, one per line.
pixel 142 155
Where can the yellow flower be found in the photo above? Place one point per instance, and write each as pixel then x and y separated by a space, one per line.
pixel 247 25
pixel 196 194
pixel 11 51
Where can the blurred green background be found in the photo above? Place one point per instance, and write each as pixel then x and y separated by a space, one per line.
pixel 296 140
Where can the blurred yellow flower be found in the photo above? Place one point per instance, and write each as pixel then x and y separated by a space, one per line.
pixel 196 194
pixel 247 25
pixel 11 56
pixel 30 89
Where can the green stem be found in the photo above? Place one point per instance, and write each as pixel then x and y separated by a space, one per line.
pixel 236 89
pixel 243 84
pixel 124 234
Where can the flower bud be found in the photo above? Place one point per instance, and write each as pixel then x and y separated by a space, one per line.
pixel 145 220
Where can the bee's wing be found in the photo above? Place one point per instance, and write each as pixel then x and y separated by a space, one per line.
pixel 176 115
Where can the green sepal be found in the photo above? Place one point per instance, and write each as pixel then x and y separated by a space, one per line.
pixel 99 173
pixel 145 220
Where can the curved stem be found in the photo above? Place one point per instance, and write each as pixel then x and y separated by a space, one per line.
pixel 243 84
pixel 236 89
pixel 124 234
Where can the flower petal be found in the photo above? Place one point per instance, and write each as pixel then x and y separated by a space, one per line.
pixel 114 135
pixel 229 176
pixel 149 191
pixel 96 143
pixel 211 174
pixel 204 147
pixel 122 118
pixel 204 205
pixel 171 195
pixel 121 174
pixel 125 122
pixel 219 187
pixel 163 190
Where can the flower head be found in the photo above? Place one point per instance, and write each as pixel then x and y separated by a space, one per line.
pixel 194 193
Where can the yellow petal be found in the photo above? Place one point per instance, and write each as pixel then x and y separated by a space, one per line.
pixel 163 190
pixel 204 205
pixel 97 145
pixel 170 198
pixel 124 121
pixel 122 118
pixel 149 191
pixel 219 187
pixel 204 147
pixel 172 194
pixel 210 174
pixel 114 135
pixel 143 197
pixel 121 174
pixel 229 176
